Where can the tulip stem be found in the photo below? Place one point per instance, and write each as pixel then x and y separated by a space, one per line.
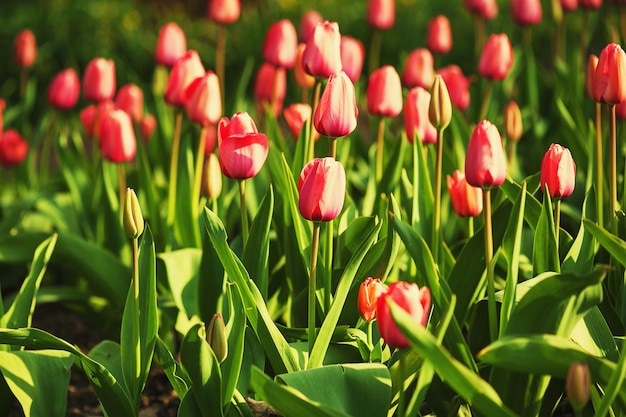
pixel 415 203
pixel 135 331
pixel 599 165
pixel 171 210
pixel 484 106
pixel 402 399
pixel 332 150
pixel 121 179
pixel 380 141
pixel 557 221
pixel 437 215
pixel 370 341
pixel 479 34
pixel 244 212
pixel 375 47
pixel 491 288
pixel 317 89
pixel 197 184
pixel 220 58
pixel 312 285
pixel 613 164
pixel 470 227
pixel 23 82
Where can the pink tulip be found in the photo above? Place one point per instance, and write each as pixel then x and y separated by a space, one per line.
pixel 224 12
pixel 64 89
pixel 558 171
pixel 381 14
pixel 419 69
pixel 281 44
pixel 171 44
pixel 302 78
pixel 203 100
pixel 336 113
pixel 270 88
pixel 439 37
pixel 184 72
pixel 130 99
pixel 309 20
pixel 496 58
pixel 117 137
pixel 147 126
pixel 485 164
pixel 321 187
pixel 369 292
pixel 13 149
pixel 296 116
pixel 322 55
pixel 384 92
pixel 99 80
pixel 458 86
pixel 467 201
pixel 609 78
pixel 352 56
pixel 526 12
pixel 242 149
pixel 25 49
pixel 487 9
pixel 416 119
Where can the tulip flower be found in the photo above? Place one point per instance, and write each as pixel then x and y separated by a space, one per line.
pixel 569 5
pixel 487 9
pixel 13 149
pixel 458 86
pixel 99 80
pixel 558 171
pixel 212 177
pixel 147 126
pixel 513 121
pixel 92 115
pixel 296 116
pixel 577 385
pixel 416 120
pixel 321 187
pixel 440 107
pixel 352 57
pixel 526 12
pixel 410 298
pixel 609 79
pixel 309 20
pixel 242 149
pixel 117 137
pixel 467 201
pixel 130 99
pixel 381 14
pixel 184 72
pixel 132 218
pixel 25 49
pixel 171 44
pixel 369 292
pixel 211 140
pixel 384 92
pixel 485 165
pixel 224 12
pixel 496 58
pixel 203 100
pixel 419 69
pixel 270 88
pixel 590 4
pixel 281 43
pixel 439 36
pixel 336 114
pixel 302 78
pixel 322 55
pixel 64 89
pixel 592 64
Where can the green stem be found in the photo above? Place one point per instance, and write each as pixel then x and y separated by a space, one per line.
pixel 613 173
pixel 402 399
pixel 244 211
pixel 583 38
pixel 380 141
pixel 332 150
pixel 470 227
pixel 599 165
pixel 375 47
pixel 310 145
pixel 557 221
pixel 121 180
pixel 136 337
pixel 312 285
pixel 370 328
pixel 484 106
pixel 479 35
pixel 491 291
pixel 23 82
pixel 197 183
pixel 47 148
pixel 415 203
pixel 220 58
pixel 171 210
pixel 437 215
pixel 328 264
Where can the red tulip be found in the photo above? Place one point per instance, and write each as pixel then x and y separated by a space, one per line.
pixel 322 55
pixel 558 171
pixel 147 127
pixel 526 12
pixel 13 149
pixel 381 14
pixel 92 115
pixel 410 298
pixel 211 140
pixel 513 121
pixel 439 38
pixel 303 80
pixel 416 120
pixel 130 99
pixel 467 201
pixel 609 78
pixel 242 149
pixel 171 44
pixel 336 113
pixel 309 20
pixel 384 92
pixel 485 165
pixel 458 86
pixel 64 89
pixel 117 137
pixel 185 70
pixel 487 9
pixel 99 80
pixel 270 88
pixel 496 58
pixel 203 100
pixel 322 187
pixel 569 5
pixel 281 44
pixel 296 116
pixel 369 292
pixel 25 49
pixel 352 56
pixel 590 4
pixel 592 64
pixel 419 69
pixel 224 12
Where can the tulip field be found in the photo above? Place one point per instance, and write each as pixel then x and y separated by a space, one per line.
pixel 302 209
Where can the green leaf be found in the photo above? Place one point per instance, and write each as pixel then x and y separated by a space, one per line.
pixel 181 267
pixel 176 375
pixel 580 256
pixel 39 380
pixel 186 224
pixel 545 252
pixel 236 329
pixel 108 354
pixel 613 244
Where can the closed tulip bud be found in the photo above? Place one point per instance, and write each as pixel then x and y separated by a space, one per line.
pixel 590 4
pixel 577 385
pixel 458 86
pixel 467 201
pixel 609 78
pixel 184 72
pixel 132 217
pixel 592 64
pixel 216 337
pixel 99 80
pixel 296 116
pixel 336 113
pixel 526 12
pixel 224 12
pixel 381 14
pixel 496 58
pixel 270 88
pixel 203 100
pixel 309 20
pixel 513 121
pixel 569 5
pixel 303 80
pixel 147 126
pixel 13 149
pixel 211 186
pixel 440 109
pixel 25 49
pixel 352 57
pixel 321 187
pixel 416 119
pixel 410 298
pixel 91 117
pixel 558 171
pixel 369 291
pixel 117 137
pixel 281 43
pixel 242 149
pixel 322 55
pixel 485 164
pixel 64 90
pixel 419 69
pixel 130 99
pixel 487 9
pixel 439 37
pixel 171 44
pixel 384 92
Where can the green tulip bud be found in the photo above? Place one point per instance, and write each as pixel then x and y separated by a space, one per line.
pixel 133 219
pixel 216 336
pixel 440 110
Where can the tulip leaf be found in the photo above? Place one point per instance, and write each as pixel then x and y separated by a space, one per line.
pixel 580 256
pixel 176 375
pixel 181 268
pixel 186 225
pixel 533 207
pixel 235 329
pixel 545 252
pixel 613 244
